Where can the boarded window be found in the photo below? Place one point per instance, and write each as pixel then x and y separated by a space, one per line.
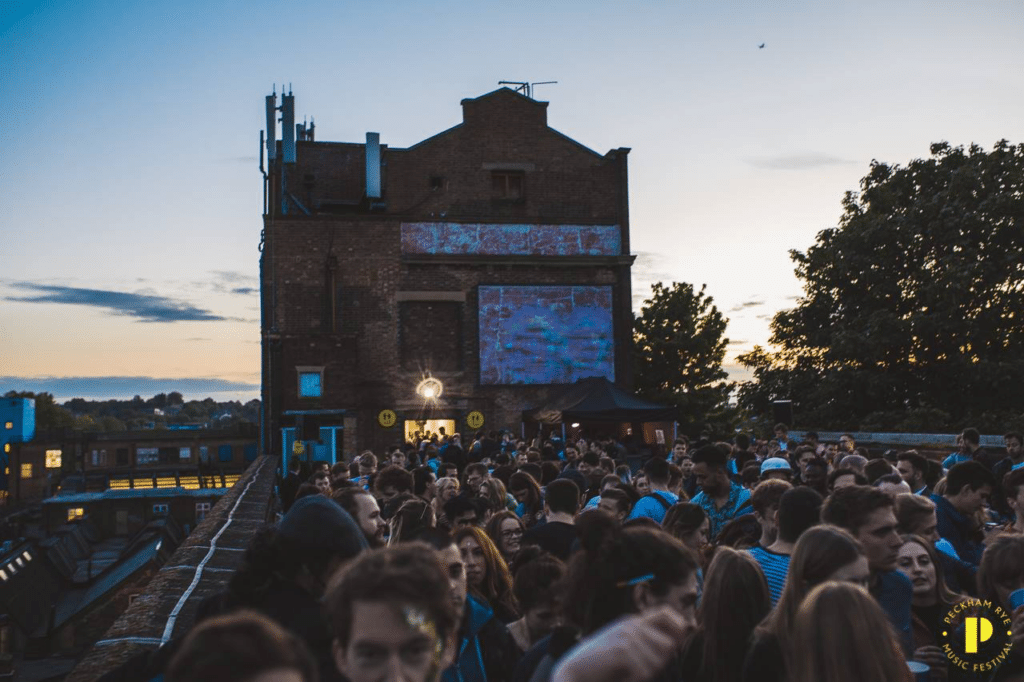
pixel 507 185
pixel 224 453
pixel 430 336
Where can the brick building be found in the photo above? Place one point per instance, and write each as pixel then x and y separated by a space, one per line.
pixel 492 257
pixel 86 462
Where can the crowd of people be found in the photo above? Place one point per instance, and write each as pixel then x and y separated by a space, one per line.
pixel 498 560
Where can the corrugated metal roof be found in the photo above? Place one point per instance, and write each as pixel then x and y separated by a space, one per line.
pixel 77 600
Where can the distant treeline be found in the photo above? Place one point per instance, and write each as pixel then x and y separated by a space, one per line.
pixel 158 412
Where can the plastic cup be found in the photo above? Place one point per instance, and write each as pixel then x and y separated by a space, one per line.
pixel 1016 599
pixel 922 671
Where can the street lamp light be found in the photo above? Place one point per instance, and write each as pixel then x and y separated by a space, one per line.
pixel 430 389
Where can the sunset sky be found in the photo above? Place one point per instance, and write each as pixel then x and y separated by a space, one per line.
pixel 130 131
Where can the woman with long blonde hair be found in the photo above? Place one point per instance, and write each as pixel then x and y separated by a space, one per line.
pixel 841 634
pixel 821 554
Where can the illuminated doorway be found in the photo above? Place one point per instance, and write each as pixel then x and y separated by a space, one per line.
pixel 428 427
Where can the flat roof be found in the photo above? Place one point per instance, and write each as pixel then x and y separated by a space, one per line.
pixel 134 493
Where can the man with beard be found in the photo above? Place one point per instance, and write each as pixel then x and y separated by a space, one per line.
pixel 815 475
pixel 362 507
pixel 720 498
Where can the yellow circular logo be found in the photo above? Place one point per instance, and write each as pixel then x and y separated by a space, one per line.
pixel 387 418
pixel 976 636
pixel 298 447
pixel 475 419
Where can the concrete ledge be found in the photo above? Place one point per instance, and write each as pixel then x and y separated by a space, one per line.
pixel 167 607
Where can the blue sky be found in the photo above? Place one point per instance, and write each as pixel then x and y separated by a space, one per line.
pixel 129 169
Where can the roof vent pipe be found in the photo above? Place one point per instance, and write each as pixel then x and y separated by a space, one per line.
pixel 272 127
pixel 288 128
pixel 373 165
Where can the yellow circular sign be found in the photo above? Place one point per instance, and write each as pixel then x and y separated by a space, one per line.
pixel 475 419
pixel 298 447
pixel 387 418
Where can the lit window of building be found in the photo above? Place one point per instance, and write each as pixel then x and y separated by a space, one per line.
pixel 26 470
pixel 147 456
pixel 53 458
pixel 9 425
pixel 75 513
pixel 310 382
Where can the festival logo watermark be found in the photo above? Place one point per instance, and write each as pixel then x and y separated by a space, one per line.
pixel 976 635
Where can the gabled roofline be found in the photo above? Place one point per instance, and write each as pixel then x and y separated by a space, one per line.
pixel 503 89
pixel 429 139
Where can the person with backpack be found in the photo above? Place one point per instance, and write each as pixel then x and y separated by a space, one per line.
pixel 654 504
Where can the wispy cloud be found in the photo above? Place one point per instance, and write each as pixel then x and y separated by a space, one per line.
pixel 124 388
pixel 143 307
pixel 231 282
pixel 799 161
pixel 745 305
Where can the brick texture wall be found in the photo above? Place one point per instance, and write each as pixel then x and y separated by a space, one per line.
pixel 330 279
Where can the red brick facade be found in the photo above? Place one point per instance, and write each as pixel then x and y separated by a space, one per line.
pixel 340 293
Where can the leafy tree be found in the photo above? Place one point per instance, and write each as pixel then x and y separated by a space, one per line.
pixel 679 346
pixel 112 424
pixel 912 305
pixel 49 415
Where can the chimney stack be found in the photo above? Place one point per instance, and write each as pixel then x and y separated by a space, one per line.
pixel 373 165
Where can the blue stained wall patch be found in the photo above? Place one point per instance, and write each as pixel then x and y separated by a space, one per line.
pixel 545 334
pixel 483 239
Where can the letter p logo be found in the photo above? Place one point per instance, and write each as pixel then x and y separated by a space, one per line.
pixel 978 630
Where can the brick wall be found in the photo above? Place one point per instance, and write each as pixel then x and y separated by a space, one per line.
pixel 146 618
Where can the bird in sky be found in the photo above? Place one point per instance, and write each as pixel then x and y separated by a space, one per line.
pixel 761 46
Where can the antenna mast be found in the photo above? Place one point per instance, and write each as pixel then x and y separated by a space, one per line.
pixel 525 88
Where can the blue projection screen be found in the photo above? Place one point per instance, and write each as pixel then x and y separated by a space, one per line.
pixel 545 334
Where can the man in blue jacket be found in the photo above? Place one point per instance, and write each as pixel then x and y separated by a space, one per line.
pixel 485 650
pixel 968 487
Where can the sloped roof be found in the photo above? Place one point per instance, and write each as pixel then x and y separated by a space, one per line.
pixel 597 399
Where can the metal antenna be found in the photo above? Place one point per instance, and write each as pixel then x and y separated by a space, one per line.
pixel 524 87
pixel 535 84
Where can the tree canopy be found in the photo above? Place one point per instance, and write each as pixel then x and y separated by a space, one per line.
pixel 679 346
pixel 912 305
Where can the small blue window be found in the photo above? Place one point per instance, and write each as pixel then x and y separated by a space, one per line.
pixel 250 452
pixel 309 385
pixel 224 453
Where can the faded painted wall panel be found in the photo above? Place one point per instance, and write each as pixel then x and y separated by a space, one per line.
pixel 484 239
pixel 545 334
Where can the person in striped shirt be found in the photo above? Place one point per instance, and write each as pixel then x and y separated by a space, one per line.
pixel 798 509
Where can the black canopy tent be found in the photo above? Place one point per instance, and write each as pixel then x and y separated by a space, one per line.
pixel 595 399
